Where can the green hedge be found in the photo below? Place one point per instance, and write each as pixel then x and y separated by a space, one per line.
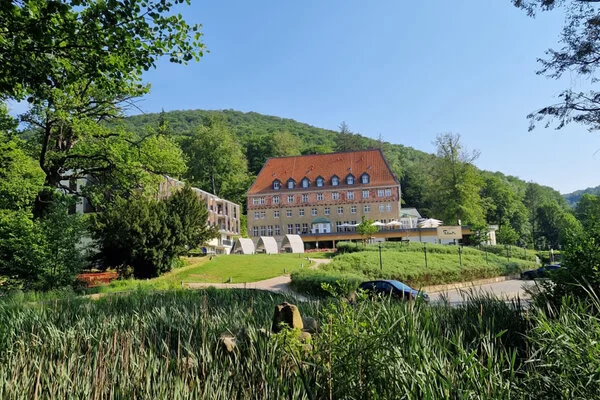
pixel 310 282
pixel 348 247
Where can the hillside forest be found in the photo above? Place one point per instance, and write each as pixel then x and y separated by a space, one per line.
pixel 528 214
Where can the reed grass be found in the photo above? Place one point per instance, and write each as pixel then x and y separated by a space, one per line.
pixel 166 345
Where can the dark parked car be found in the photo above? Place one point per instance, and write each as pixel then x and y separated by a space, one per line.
pixel 540 272
pixel 392 288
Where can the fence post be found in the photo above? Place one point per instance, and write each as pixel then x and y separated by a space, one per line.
pixel 425 251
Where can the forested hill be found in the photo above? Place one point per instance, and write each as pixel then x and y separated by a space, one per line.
pixel 226 149
pixel 573 198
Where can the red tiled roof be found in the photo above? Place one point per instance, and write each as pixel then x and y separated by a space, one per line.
pixel 326 166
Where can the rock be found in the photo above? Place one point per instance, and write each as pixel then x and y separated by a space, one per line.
pixel 304 337
pixel 227 341
pixel 310 325
pixel 289 315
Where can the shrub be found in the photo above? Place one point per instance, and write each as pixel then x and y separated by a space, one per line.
pixel 41 253
pixel 311 282
pixel 348 247
pixel 148 234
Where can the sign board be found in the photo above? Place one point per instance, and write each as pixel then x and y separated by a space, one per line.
pixel 449 232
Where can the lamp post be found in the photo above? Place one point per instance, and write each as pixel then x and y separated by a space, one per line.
pixel 380 260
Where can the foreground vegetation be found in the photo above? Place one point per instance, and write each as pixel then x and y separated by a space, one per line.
pixel 165 345
pixel 406 263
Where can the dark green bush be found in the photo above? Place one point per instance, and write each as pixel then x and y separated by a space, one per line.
pixel 348 247
pixel 311 282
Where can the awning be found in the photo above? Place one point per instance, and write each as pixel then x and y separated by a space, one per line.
pixel 321 220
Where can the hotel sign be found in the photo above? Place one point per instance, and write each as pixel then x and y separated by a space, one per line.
pixel 449 232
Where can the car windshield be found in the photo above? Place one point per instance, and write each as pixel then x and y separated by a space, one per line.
pixel 401 286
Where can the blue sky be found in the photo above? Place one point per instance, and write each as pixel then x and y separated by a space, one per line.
pixel 407 71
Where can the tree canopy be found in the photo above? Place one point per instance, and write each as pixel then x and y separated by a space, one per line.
pixel 580 40
pixel 79 63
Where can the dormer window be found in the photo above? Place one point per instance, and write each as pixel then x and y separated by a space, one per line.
pixel 350 180
pixel 320 182
pixel 276 184
pixel 305 183
pixel 364 178
pixel 291 184
pixel 335 181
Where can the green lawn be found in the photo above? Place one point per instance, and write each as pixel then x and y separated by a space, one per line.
pixel 241 268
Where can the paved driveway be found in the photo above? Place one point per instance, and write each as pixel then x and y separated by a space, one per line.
pixel 509 290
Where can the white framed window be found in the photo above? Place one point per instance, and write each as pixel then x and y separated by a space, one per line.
pixel 335 196
pixel 340 210
pixel 290 198
pixel 353 209
pixel 380 192
pixel 365 194
pixel 288 213
pixel 335 181
pixel 381 207
pixel 304 229
pixel 313 212
pixel 277 230
pixel 305 183
pixel 349 180
pixel 275 199
pixel 319 196
pixel 276 214
pixel 305 198
pixel 364 179
pixel 388 192
pixel 290 228
pixel 388 207
pixel 366 208
pixel 350 195
pixel 326 211
pixel 269 230
pixel 276 185
pixel 297 229
pixel 291 184
pixel 263 231
pixel 262 215
pixel 255 231
pixel 301 212
pixel 255 201
pixel 320 182
pixel 262 200
pixel 256 215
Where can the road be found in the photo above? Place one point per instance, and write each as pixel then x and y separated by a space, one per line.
pixel 510 289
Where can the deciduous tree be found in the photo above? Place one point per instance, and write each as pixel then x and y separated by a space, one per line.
pixel 216 161
pixel 580 42
pixel 366 229
pixel 78 63
pixel 456 182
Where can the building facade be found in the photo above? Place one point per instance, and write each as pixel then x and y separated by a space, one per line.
pixel 322 194
pixel 223 214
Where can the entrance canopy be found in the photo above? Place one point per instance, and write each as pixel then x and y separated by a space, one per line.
pixel 267 244
pixel 243 246
pixel 292 244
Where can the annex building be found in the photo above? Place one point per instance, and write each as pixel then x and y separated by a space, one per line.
pixel 322 197
pixel 223 214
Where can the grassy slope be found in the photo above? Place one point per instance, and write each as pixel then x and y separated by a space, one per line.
pixel 241 268
pixel 407 264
